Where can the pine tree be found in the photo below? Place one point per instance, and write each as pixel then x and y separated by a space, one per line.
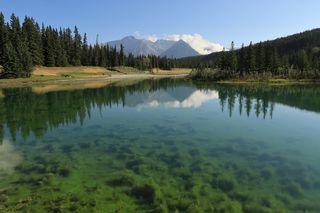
pixel 102 57
pixel 302 62
pixel 241 61
pixel 32 33
pixel 267 57
pixel 61 59
pixel 48 47
pixel 85 53
pixel 9 57
pixel 15 40
pixel 260 58
pixel 3 39
pixel 250 60
pixel 114 59
pixel 90 55
pixel 96 55
pixel 76 51
pixel 121 55
pixel 25 60
pixel 233 58
pixel 68 41
pixel 108 54
pixel 275 61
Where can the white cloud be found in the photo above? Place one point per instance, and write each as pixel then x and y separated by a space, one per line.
pixel 152 38
pixel 196 41
pixel 195 100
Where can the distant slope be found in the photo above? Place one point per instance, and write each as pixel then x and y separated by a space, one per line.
pixel 286 46
pixel 172 49
pixel 179 50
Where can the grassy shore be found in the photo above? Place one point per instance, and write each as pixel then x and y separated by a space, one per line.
pixel 47 75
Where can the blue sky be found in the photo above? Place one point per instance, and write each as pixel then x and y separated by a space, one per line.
pixel 219 21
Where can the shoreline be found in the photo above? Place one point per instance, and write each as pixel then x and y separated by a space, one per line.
pixel 271 81
pixel 22 82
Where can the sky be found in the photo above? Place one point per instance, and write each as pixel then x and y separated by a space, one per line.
pixel 211 21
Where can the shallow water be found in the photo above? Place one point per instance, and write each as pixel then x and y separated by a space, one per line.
pixel 161 146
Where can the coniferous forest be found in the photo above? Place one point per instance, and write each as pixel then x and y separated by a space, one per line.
pixel 296 57
pixel 28 44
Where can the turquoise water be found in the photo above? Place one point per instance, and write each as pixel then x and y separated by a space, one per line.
pixel 161 146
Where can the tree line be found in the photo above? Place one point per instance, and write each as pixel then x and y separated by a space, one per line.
pixel 264 58
pixel 296 56
pixel 24 46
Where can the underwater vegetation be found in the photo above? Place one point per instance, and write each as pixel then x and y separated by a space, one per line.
pixel 150 176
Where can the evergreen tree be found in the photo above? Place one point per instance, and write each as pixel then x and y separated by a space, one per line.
pixel 31 31
pixel 250 59
pixel 25 60
pixel 62 59
pixel 3 39
pixel 102 57
pixel 275 61
pixel 241 65
pixel 121 56
pixel 9 57
pixel 68 44
pixel 76 51
pixel 21 56
pixel 108 56
pixel 260 58
pixel 267 57
pixel 302 61
pixel 233 58
pixel 96 55
pixel 48 48
pixel 85 52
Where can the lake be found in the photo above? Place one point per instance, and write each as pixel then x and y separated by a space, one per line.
pixel 168 145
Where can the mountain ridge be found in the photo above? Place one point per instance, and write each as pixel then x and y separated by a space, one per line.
pixel 160 47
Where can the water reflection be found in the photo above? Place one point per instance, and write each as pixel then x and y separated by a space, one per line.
pixel 9 158
pixel 194 99
pixel 26 112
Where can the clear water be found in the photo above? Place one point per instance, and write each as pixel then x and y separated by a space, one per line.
pixel 161 146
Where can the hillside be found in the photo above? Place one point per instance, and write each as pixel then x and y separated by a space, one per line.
pixel 286 46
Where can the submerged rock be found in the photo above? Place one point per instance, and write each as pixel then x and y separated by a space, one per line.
pixel 145 193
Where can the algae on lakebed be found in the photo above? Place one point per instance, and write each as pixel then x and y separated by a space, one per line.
pixel 162 146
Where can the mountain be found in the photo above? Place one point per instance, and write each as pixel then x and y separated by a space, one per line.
pixel 163 45
pixel 173 49
pixel 136 46
pixel 180 49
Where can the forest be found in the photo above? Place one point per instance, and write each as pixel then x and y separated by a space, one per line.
pixel 24 46
pixel 294 57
